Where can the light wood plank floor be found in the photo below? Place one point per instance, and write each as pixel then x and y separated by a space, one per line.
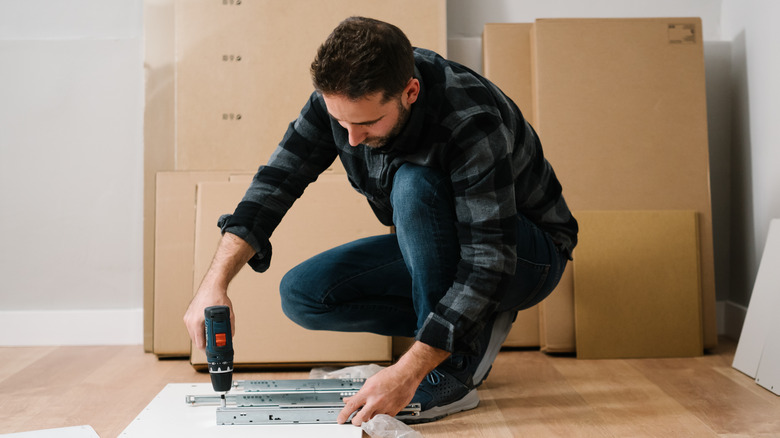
pixel 527 394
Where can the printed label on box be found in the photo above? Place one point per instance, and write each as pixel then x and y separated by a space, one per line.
pixel 682 34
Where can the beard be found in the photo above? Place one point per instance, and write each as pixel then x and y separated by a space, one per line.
pixel 378 142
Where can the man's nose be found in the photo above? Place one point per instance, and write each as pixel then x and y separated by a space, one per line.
pixel 356 135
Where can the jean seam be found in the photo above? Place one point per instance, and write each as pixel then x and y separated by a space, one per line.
pixel 350 306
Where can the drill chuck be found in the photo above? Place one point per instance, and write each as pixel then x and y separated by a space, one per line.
pixel 219 347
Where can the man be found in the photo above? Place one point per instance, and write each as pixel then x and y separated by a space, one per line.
pixel 482 229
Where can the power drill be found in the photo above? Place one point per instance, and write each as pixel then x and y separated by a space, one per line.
pixel 219 348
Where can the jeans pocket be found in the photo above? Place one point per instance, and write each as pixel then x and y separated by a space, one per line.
pixel 527 288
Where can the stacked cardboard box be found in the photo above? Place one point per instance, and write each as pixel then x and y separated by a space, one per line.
pixel 328 214
pixel 506 49
pixel 620 107
pixel 174 250
pixel 224 79
pixel 242 69
pixel 636 283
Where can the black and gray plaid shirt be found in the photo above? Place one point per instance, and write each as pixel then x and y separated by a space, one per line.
pixel 461 123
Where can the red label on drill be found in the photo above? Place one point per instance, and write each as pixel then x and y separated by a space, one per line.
pixel 221 339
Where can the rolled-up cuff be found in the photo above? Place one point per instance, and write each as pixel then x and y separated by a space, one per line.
pixel 263 250
pixel 437 332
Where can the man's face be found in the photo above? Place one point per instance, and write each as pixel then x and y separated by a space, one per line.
pixel 369 120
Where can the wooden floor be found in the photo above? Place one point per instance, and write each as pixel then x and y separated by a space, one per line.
pixel 527 394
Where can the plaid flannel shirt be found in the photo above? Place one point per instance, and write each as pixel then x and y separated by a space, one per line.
pixel 462 124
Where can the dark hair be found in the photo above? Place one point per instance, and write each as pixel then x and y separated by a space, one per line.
pixel 363 56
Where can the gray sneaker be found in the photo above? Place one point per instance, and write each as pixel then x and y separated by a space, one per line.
pixel 451 387
pixel 439 395
pixel 498 332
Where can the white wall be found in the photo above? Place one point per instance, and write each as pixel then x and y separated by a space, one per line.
pixel 71 108
pixel 71 157
pixel 752 26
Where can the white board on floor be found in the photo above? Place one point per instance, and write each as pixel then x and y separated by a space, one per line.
pixel 63 432
pixel 768 374
pixel 761 314
pixel 168 416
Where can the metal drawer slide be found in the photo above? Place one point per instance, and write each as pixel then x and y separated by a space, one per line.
pixel 289 414
pixel 260 399
pixel 304 401
pixel 305 385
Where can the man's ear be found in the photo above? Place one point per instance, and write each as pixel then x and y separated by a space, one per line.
pixel 410 93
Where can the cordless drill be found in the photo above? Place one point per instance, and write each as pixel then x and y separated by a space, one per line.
pixel 219 348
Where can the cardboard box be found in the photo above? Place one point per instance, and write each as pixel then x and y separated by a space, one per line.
pixel 620 107
pixel 224 79
pixel 637 283
pixel 556 317
pixel 174 252
pixel 600 88
pixel 158 132
pixel 525 329
pixel 507 63
pixel 242 71
pixel 328 214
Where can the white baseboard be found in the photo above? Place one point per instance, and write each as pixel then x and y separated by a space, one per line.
pixel 71 327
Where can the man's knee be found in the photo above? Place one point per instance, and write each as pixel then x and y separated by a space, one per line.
pixel 296 301
pixel 411 181
pixel 415 188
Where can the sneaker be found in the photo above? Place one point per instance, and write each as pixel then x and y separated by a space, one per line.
pixel 451 387
pixel 491 340
pixel 439 395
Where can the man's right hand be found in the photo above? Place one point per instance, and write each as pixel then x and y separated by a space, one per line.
pixel 232 254
pixel 194 318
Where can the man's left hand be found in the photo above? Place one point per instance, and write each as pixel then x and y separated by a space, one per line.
pixel 386 392
pixel 390 390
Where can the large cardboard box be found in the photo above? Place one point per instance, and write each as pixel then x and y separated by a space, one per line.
pixel 242 70
pixel 556 317
pixel 506 51
pixel 158 132
pixel 508 62
pixel 637 283
pixel 621 109
pixel 224 79
pixel 174 252
pixel 328 214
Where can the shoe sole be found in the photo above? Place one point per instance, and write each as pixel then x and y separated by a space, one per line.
pixel 469 401
pixel 499 332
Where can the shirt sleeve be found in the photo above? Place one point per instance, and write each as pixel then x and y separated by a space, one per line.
pixel 480 167
pixel 306 150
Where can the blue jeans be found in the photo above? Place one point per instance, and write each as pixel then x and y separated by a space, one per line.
pixel 388 284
